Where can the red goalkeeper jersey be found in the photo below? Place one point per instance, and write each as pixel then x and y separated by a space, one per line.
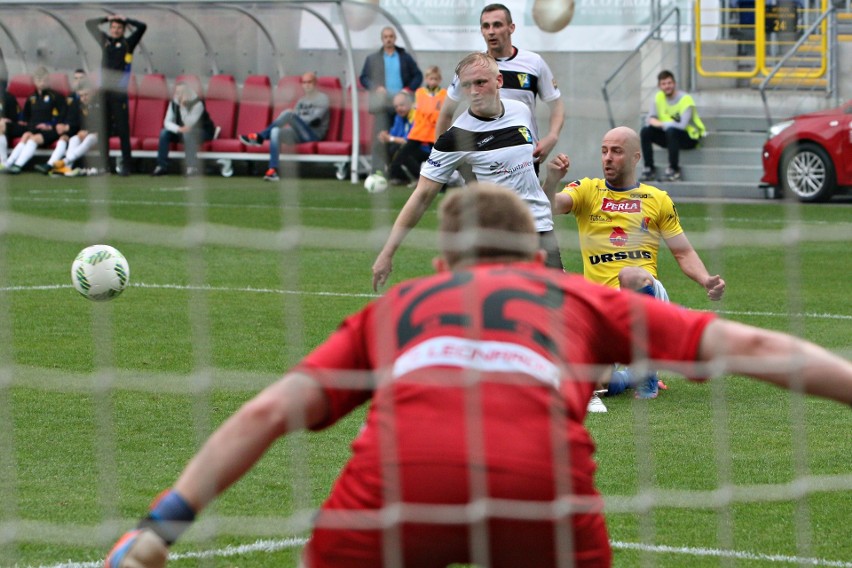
pixel 491 366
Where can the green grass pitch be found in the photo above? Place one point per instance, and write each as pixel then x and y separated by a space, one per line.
pixel 233 280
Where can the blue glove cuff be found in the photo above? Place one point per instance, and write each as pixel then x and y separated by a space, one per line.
pixel 649 289
pixel 169 517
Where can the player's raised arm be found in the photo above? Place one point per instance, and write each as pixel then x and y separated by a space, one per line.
pixel 557 168
pixel 777 358
pixel 417 204
pixel 293 403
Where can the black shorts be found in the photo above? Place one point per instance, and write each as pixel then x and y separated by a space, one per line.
pixel 14 130
pixel 50 136
pixel 547 241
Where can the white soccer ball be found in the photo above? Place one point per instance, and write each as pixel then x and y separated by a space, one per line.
pixel 100 273
pixel 375 183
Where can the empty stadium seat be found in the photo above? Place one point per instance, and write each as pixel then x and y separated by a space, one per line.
pixel 221 104
pixel 343 145
pixel 253 113
pixel 59 83
pixel 152 98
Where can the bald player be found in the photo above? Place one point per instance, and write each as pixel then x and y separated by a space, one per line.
pixel 621 223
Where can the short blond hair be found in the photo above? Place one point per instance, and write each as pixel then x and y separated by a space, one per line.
pixel 477 58
pixel 486 221
pixel 41 72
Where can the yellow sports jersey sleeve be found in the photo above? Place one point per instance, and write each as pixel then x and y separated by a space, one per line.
pixel 619 228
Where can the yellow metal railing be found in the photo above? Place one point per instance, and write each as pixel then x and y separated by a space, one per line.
pixel 749 39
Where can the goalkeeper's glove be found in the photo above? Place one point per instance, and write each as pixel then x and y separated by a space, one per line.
pixel 146 546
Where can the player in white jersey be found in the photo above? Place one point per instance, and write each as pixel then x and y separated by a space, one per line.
pixel 525 76
pixel 492 137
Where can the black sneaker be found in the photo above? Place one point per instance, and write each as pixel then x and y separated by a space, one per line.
pixel 672 175
pixel 43 168
pixel 648 174
pixel 159 171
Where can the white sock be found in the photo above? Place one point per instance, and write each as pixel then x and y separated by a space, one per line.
pixel 58 152
pixel 4 149
pixel 77 148
pixel 28 151
pixel 16 151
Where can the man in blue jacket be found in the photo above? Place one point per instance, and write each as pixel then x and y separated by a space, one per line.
pixel 386 72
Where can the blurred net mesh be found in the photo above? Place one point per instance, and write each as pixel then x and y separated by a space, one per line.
pixel 296 238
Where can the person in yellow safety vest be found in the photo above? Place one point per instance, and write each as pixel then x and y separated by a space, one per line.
pixel 673 123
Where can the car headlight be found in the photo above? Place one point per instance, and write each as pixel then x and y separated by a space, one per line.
pixel 777 129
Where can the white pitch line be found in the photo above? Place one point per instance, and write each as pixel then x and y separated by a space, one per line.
pixel 719 553
pixel 248 289
pixel 743 220
pixel 149 203
pixel 252 290
pixel 267 546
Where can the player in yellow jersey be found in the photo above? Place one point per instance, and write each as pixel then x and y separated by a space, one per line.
pixel 621 223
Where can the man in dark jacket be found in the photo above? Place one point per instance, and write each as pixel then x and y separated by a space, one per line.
pixel 387 72
pixel 115 78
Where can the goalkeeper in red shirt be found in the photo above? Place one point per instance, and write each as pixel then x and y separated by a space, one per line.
pixel 473 449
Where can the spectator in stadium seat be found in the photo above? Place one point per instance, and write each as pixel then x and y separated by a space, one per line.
pixel 84 116
pixel 385 73
pixel 526 77
pixel 477 380
pixel 672 123
pixel 391 141
pixel 493 138
pixel 68 129
pixel 621 223
pixel 10 128
pixel 186 121
pixel 117 58
pixel 306 122
pixel 428 100
pixel 43 116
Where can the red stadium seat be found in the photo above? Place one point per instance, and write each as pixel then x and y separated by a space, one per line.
pixel 192 81
pixel 59 83
pixel 253 113
pixel 152 99
pixel 221 104
pixel 331 86
pixel 287 93
pixel 21 87
pixel 343 145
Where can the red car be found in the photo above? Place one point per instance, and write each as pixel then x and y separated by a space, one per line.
pixel 810 155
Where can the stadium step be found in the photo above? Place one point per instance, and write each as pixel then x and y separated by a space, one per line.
pixel 728 164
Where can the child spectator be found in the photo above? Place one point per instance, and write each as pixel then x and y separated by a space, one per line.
pixel 428 101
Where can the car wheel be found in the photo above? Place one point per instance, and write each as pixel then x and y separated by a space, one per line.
pixel 808 173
